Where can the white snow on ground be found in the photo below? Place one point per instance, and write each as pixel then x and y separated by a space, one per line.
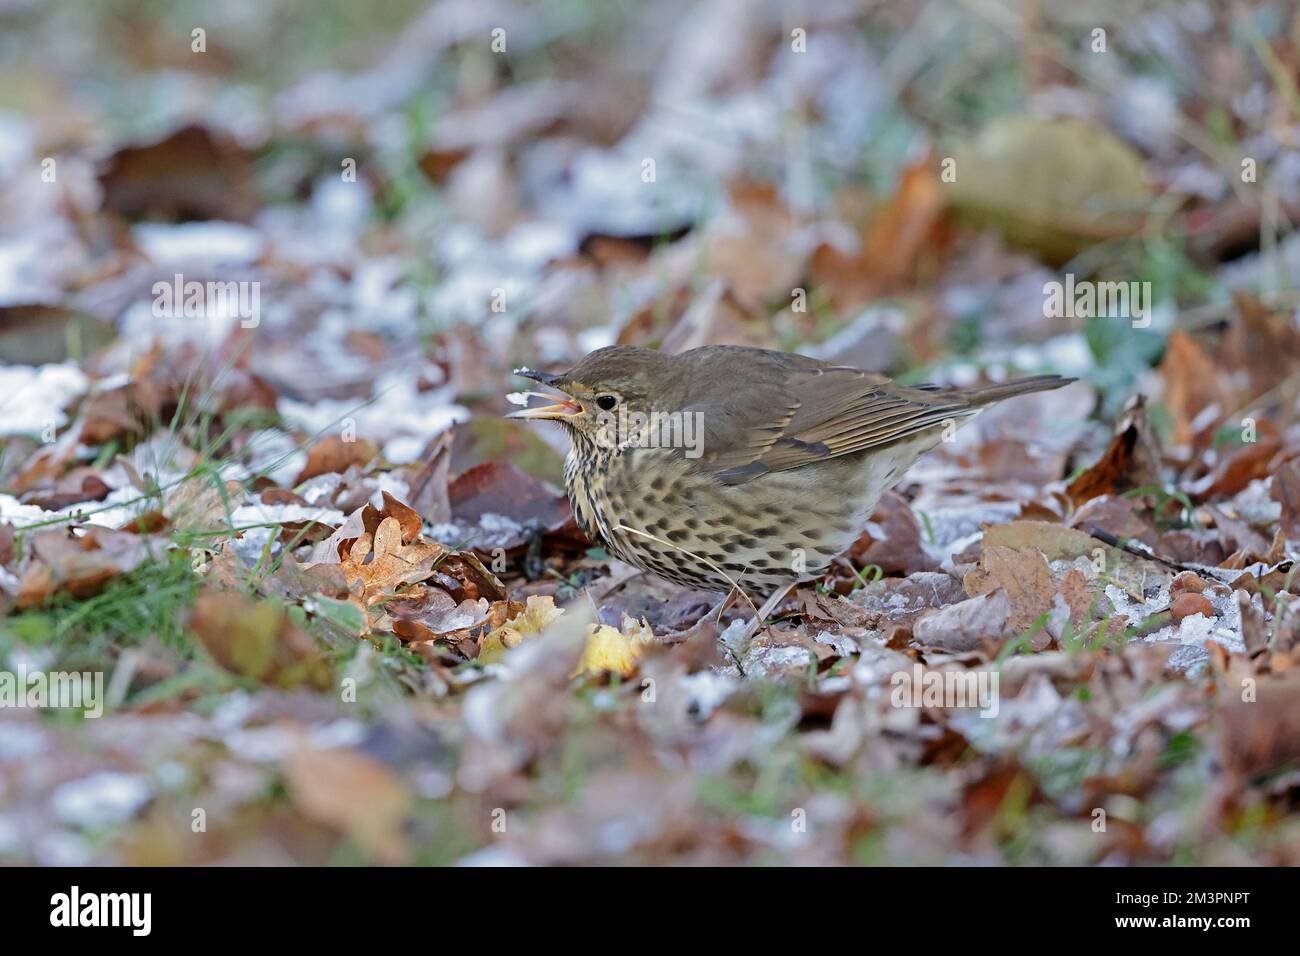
pixel 100 799
pixel 402 418
pixel 33 397
pixel 1192 633
pixel 199 243
pixel 13 511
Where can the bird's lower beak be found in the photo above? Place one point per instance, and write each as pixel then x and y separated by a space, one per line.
pixel 566 407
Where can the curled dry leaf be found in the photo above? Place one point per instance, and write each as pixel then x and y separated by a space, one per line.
pixel 1132 460
pixel 1195 393
pixel 77 486
pixel 333 454
pixel 464 576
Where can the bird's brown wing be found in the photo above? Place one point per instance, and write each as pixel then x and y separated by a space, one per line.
pixel 792 417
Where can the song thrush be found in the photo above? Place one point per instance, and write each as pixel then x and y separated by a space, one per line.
pixel 727 466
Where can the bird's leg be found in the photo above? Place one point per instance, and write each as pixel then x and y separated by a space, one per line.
pixel 533 564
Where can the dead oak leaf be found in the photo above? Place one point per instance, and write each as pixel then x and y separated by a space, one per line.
pixel 384 563
pixel 366 520
pixel 1023 575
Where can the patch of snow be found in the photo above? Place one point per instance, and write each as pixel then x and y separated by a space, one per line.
pixel 234 711
pixel 949 530
pixel 764 660
pixel 707 691
pixel 400 416
pixel 100 799
pixel 210 243
pixel 1255 505
pixel 13 511
pixel 1192 633
pixel 19 741
pixel 33 397
pixel 254 512
pixel 62 849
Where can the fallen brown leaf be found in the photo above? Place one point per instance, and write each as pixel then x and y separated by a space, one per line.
pixel 257 639
pixel 1132 460
pixel 194 173
pixel 333 454
pixel 355 794
pixel 1193 384
pixel 1023 575
pixel 966 625
pixel 78 564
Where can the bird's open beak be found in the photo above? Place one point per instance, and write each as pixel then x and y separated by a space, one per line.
pixel 566 407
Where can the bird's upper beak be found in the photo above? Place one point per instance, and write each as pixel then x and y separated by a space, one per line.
pixel 566 407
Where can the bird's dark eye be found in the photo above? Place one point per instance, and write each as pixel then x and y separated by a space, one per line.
pixel 606 402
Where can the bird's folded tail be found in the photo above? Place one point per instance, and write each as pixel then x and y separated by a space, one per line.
pixel 988 394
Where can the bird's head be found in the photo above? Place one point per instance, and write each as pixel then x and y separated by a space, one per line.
pixel 605 388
